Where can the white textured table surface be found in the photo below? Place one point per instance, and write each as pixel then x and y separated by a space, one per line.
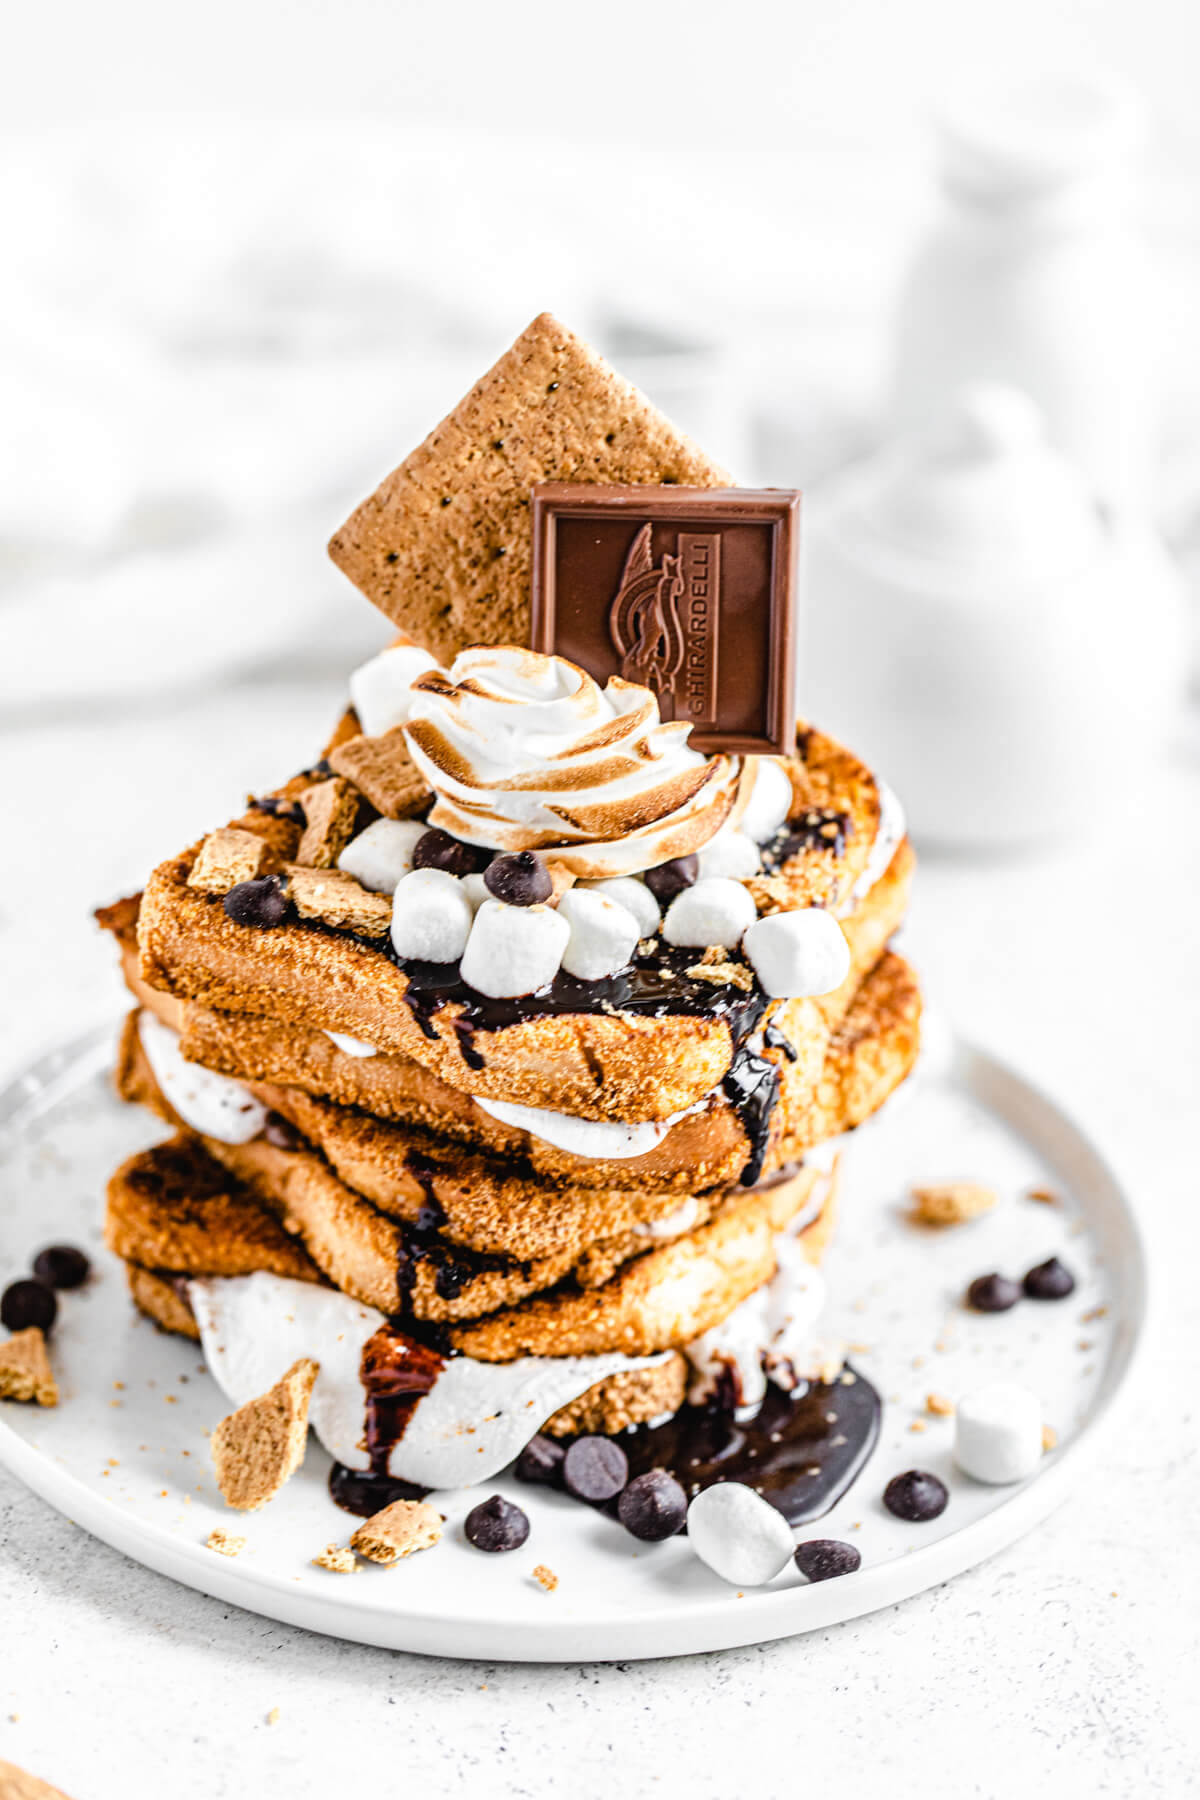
pixel 1064 1666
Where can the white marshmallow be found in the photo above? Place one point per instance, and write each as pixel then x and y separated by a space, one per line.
pixel 382 688
pixel 738 1534
pixel 431 917
pixel 798 954
pixel 476 890
pixel 350 1046
pixel 514 950
pixel 212 1104
pixel 730 853
pixel 603 935
pixel 770 801
pixel 716 911
pixel 998 1433
pixel 381 856
pixel 632 894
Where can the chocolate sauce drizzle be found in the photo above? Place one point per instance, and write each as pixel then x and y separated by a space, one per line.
pixel 820 828
pixel 799 1452
pixel 752 1089
pixel 396 1371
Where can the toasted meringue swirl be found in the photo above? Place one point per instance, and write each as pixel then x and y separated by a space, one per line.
pixel 527 752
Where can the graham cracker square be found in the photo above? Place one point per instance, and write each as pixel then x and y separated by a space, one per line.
pixel 444 546
pixel 227 857
pixel 381 768
pixel 330 814
pixel 339 901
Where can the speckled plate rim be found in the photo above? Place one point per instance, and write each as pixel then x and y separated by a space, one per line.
pixel 728 1621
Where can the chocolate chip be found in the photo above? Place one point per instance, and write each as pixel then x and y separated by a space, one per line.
pixel 496 1525
pixel 61 1266
pixel 281 1132
pixel 26 1303
pixel 1049 1281
pixel 438 850
pixel 653 1506
pixel 821 1559
pixel 521 880
pixel 992 1293
pixel 915 1496
pixel 258 903
pixel 595 1468
pixel 670 878
pixel 541 1462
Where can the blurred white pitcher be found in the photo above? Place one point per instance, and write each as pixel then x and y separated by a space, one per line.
pixel 983 632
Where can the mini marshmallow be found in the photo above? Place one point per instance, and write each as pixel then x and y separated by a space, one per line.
pixel 381 689
pixel 431 917
pixel 770 801
pixel 632 894
pixel 798 954
pixel 739 1534
pixel 603 934
pixel 381 856
pixel 730 853
pixel 514 950
pixel 998 1433
pixel 716 911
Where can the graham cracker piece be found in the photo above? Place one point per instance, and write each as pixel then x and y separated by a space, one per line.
pixel 225 1543
pixel 261 1445
pixel 330 815
pixel 337 1559
pixel 951 1202
pixel 25 1369
pixel 401 1528
pixel 717 966
pixel 381 768
pixel 562 878
pixel 227 857
pixel 545 1577
pixel 18 1784
pixel 444 546
pixel 338 900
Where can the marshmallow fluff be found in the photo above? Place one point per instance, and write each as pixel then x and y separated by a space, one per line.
pixel 431 917
pixel 350 1046
pixel 381 690
pixel 597 1139
pixel 211 1104
pixel 513 950
pixel 525 751
pixel 476 1418
pixel 998 1433
pixel 798 955
pixel 888 836
pixel 603 935
pixel 716 911
pixel 738 1534
pixel 381 856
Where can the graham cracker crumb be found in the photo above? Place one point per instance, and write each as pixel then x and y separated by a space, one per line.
pixel 1049 1439
pixel 381 768
pixel 227 857
pixel 939 1406
pixel 330 815
pixel 338 900
pixel 273 1716
pixel 258 1447
pixel 917 1425
pixel 225 1543
pixel 337 1559
pixel 647 946
pixel 545 1578
pixel 951 1202
pixel 722 973
pixel 400 1529
pixel 1043 1196
pixel 562 878
pixel 1093 1313
pixel 25 1372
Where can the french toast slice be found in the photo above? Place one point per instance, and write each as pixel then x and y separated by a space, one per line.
pixel 642 1045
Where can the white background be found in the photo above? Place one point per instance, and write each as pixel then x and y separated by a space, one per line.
pixel 249 253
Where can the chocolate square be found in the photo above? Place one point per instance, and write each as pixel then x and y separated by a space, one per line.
pixel 688 591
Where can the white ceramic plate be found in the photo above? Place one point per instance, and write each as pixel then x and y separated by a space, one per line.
pixel 125 1453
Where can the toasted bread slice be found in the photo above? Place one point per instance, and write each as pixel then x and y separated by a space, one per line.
pixel 642 1047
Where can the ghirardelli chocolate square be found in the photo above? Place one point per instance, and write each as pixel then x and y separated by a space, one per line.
pixel 688 591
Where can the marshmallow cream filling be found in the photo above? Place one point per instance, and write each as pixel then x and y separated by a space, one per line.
pixel 474 1420
pixel 211 1104
pixel 887 840
pixel 588 1138
pixel 478 1416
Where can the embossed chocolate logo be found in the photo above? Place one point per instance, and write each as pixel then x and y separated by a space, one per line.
pixel 687 591
pixel 664 623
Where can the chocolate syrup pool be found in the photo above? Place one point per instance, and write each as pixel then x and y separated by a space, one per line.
pixel 800 1454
